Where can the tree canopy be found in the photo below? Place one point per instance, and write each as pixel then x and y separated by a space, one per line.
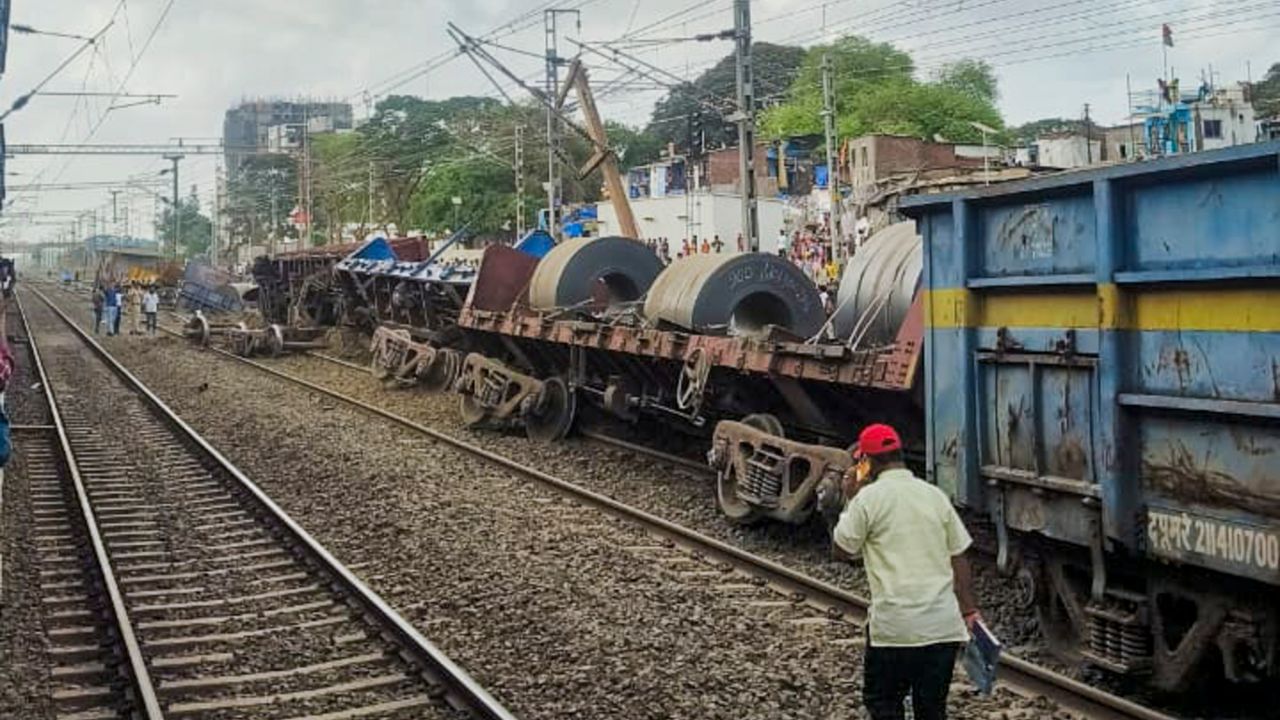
pixel 195 230
pixel 775 68
pixel 877 92
pixel 1266 93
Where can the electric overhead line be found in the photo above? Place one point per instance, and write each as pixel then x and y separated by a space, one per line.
pixel 24 99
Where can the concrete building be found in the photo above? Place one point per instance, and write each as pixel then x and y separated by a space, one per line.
pixel 872 162
pixel 262 124
pixel 703 213
pixel 1224 117
pixel 1207 118
pixel 1123 143
pixel 1067 151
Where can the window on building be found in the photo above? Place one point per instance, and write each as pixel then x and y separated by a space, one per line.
pixel 864 156
pixel 1212 129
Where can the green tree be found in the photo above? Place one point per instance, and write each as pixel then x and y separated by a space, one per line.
pixel 635 146
pixel 260 196
pixel 340 184
pixel 974 78
pixel 484 189
pixel 405 136
pixel 1266 93
pixel 1029 132
pixel 195 230
pixel 876 92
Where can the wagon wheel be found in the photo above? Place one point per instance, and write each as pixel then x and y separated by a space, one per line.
pixel 765 422
pixel 275 341
pixel 734 508
pixel 198 329
pixel 472 412
pixel 693 380
pixel 439 373
pixel 552 414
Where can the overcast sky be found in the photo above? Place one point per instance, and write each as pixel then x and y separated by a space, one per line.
pixel 1052 56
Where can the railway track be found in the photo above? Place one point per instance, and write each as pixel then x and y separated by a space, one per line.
pixel 1021 676
pixel 176 588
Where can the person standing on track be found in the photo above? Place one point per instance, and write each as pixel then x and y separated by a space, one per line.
pixel 111 302
pixel 912 543
pixel 150 307
pixel 133 303
pixel 99 306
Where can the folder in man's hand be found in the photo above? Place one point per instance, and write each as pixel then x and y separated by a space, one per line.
pixel 981 656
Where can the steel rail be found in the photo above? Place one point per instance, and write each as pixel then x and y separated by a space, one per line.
pixel 1018 674
pixel 139 676
pixel 462 690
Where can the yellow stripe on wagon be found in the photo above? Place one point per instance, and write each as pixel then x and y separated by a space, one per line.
pixel 1110 308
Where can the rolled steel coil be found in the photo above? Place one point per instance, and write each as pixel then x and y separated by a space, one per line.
pixel 878 286
pixel 736 294
pixel 605 270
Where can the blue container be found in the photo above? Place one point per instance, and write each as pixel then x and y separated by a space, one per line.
pixel 1103 357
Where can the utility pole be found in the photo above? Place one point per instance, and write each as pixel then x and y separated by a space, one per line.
pixel 115 211
pixel 275 223
pixel 519 173
pixel 370 225
pixel 177 216
pixel 833 173
pixel 552 89
pixel 745 117
pixel 306 175
pixel 1088 137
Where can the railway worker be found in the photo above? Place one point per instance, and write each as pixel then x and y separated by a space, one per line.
pixel 150 307
pixel 912 543
pixel 99 307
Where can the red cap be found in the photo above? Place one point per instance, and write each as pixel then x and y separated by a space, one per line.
pixel 877 439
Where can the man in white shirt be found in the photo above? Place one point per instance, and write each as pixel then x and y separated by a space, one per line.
pixel 150 307
pixel 912 543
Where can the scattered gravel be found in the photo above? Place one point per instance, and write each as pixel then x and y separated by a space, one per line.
pixel 24 684
pixel 557 609
pixel 678 494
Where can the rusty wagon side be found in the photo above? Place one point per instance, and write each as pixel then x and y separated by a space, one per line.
pixel 1102 376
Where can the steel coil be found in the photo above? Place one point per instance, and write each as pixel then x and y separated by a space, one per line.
pixel 736 294
pixel 878 286
pixel 606 270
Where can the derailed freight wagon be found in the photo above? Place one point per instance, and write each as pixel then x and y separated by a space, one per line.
pixel 735 346
pixel 1102 380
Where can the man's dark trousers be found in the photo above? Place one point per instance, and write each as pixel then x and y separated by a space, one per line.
pixel 891 673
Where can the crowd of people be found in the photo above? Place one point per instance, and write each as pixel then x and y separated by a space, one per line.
pixel 113 302
pixel 688 247
pixel 808 250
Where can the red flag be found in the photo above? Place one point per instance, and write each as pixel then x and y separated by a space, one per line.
pixel 1167 33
